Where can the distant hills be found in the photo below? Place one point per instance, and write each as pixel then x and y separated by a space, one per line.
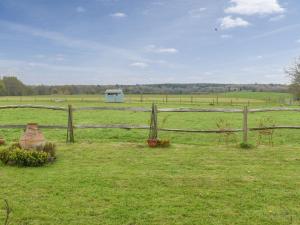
pixel 12 86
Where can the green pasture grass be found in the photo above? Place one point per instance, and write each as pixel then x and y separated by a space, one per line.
pixel 230 98
pixel 126 183
pixel 273 96
pixel 110 176
pixel 165 120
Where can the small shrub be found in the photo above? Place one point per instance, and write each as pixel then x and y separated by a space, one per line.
pixel 14 155
pixel 163 143
pixel 246 146
pixel 49 148
pixel 15 146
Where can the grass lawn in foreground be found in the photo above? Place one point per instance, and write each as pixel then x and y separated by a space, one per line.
pixel 126 183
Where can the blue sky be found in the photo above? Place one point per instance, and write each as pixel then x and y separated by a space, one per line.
pixel 148 41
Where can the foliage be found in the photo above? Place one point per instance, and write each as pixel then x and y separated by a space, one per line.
pixel 246 145
pixel 24 158
pixel 11 86
pixel 163 143
pixel 294 73
pixel 49 148
pixel 266 124
pixel 14 155
pixel 224 127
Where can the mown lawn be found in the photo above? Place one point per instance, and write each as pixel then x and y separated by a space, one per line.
pixel 127 183
pixel 109 176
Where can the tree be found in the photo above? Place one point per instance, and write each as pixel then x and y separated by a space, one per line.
pixel 14 87
pixel 294 73
pixel 2 88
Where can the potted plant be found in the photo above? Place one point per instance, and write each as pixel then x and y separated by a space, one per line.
pixel 152 143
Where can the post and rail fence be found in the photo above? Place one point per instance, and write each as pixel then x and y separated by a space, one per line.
pixel 193 99
pixel 71 126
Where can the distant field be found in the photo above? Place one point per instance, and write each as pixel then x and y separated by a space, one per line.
pixel 110 176
pixel 230 98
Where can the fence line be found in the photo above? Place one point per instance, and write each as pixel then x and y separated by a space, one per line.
pixel 220 110
pixel 32 107
pixel 21 126
pixel 141 109
pixel 71 126
pixel 168 98
pixel 146 127
pixel 133 109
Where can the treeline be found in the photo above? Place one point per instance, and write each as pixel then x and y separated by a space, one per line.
pixel 11 86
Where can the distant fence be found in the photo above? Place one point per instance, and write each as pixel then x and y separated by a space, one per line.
pixel 212 99
pixel 70 126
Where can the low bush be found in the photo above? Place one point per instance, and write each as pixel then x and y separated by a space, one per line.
pixel 163 143
pixel 14 155
pixel 246 146
pixel 49 148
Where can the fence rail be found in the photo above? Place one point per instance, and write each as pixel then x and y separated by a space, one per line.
pixel 70 126
pixel 32 107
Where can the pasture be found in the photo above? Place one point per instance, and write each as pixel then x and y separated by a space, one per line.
pixel 110 176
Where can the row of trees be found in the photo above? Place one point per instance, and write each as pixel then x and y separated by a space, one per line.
pixel 11 86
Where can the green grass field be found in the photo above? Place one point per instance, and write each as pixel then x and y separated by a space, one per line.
pixel 111 177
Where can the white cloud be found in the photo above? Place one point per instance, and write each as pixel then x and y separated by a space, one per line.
pixel 298 41
pixel 80 9
pixel 139 65
pixel 252 7
pixel 118 15
pixel 155 49
pixel 196 13
pixel 229 22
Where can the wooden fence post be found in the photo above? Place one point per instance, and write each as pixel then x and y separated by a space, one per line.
pixel 166 98
pixel 245 125
pixel 70 129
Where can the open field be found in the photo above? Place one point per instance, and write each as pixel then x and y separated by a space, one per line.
pixel 230 98
pixel 110 176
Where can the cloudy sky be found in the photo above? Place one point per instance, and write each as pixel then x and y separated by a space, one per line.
pixel 148 41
